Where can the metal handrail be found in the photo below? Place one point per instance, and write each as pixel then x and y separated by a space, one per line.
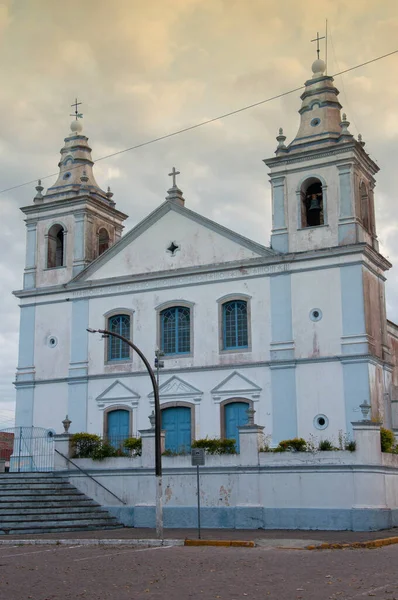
pixel 91 477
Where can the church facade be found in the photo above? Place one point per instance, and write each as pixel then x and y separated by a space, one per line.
pixel 297 331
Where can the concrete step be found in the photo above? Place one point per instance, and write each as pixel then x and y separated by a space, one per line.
pixel 38 492
pixel 49 518
pixel 5 487
pixel 6 513
pixel 41 504
pixel 36 477
pixel 57 523
pixel 40 530
pixel 14 502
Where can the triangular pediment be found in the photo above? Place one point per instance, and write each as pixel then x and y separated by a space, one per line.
pixel 117 393
pixel 176 388
pixel 172 238
pixel 236 385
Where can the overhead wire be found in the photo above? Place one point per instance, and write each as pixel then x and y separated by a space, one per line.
pixel 203 123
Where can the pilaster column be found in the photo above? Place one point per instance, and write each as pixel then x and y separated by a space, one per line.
pixel 148 446
pixel 29 280
pixel 279 237
pixel 79 243
pixel 347 220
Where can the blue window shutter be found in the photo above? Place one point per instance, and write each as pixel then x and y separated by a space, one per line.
pixel 235 416
pixel 118 428
pixel 176 422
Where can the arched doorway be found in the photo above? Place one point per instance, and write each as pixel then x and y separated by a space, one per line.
pixel 176 421
pixel 117 427
pixel 235 415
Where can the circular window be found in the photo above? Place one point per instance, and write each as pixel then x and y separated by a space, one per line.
pixel 315 122
pixel 52 341
pixel 316 314
pixel 321 422
pixel 66 176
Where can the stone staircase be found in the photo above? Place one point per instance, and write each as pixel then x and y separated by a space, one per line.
pixel 43 503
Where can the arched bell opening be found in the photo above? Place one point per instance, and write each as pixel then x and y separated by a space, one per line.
pixel 55 247
pixel 312 205
pixel 103 241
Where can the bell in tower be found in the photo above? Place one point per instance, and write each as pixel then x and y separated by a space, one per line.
pixel 313 205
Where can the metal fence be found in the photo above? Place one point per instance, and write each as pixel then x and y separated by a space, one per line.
pixel 27 449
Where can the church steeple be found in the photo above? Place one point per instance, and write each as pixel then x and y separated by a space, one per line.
pixel 320 118
pixel 75 169
pixel 323 180
pixel 73 222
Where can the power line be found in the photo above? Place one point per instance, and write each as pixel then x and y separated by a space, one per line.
pixel 346 102
pixel 207 122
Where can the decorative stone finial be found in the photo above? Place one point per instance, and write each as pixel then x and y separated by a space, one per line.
pixel 318 67
pixel 76 127
pixel 39 196
pixel 281 140
pixel 344 125
pixel 365 409
pixel 66 423
pixel 360 140
pixel 152 419
pixel 109 195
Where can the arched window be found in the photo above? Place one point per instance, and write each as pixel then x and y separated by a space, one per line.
pixel 234 325
pixel 117 349
pixel 312 208
pixel 103 241
pixel 364 197
pixel 55 248
pixel 175 330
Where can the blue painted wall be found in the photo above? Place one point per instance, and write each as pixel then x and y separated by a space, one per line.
pixel 281 314
pixel 284 403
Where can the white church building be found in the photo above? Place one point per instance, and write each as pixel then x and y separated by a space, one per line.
pixel 297 331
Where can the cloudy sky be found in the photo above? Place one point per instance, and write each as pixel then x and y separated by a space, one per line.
pixel 144 68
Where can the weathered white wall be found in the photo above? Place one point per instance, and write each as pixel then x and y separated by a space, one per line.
pixel 201 246
pixel 327 490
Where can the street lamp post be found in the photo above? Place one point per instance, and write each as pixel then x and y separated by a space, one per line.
pixel 158 448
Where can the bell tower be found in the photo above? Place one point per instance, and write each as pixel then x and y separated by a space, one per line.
pixel 73 222
pixel 323 181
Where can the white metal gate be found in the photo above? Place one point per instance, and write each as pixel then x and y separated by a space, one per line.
pixel 27 449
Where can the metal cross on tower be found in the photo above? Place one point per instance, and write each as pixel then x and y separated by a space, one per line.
pixel 173 175
pixel 317 40
pixel 76 114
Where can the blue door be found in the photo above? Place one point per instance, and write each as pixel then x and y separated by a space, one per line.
pixel 118 427
pixel 235 416
pixel 177 424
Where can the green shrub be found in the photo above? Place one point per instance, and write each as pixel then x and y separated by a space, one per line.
pixel 84 444
pixel 350 445
pixel 134 445
pixel 293 445
pixel 325 446
pixel 105 450
pixel 216 446
pixel 387 440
